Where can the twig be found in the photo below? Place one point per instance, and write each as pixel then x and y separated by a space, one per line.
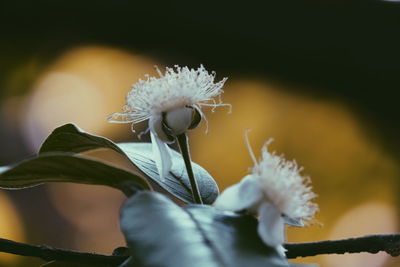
pixel 371 244
pixel 56 254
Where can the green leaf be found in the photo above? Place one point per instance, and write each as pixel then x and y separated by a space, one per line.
pixel 160 233
pixel 56 167
pixel 177 181
pixel 69 138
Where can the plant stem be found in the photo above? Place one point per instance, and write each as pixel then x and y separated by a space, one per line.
pixel 371 244
pixel 184 147
pixel 56 254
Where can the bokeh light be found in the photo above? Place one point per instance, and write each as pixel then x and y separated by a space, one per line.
pixel 93 210
pixel 365 219
pixel 10 227
pixel 94 213
pixel 83 86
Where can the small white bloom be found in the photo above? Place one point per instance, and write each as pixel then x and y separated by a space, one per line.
pixel 172 103
pixel 276 191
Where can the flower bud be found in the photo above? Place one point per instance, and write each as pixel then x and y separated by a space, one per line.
pixel 172 123
pixel 180 120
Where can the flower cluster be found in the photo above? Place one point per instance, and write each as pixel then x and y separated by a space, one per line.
pixel 275 190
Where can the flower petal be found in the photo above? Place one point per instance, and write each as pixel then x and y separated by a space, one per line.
pixel 271 226
pixel 162 156
pixel 156 127
pixel 243 195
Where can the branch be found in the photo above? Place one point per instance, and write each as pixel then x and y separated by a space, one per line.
pixel 56 254
pixel 371 244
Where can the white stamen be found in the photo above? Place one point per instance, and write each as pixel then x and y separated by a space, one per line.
pixel 246 140
pixel 178 87
pixel 284 186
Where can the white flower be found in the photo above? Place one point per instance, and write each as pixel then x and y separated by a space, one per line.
pixel 172 103
pixel 275 191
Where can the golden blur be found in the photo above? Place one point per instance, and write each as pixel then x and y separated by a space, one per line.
pixel 353 223
pixel 10 228
pixel 349 170
pixel 93 211
pixel 83 86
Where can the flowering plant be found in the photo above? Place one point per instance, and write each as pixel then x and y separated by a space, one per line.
pixel 243 226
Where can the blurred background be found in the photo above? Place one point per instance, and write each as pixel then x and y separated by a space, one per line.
pixel 320 77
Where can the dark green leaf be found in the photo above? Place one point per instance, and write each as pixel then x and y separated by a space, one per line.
pixel 53 167
pixel 69 138
pixel 160 233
